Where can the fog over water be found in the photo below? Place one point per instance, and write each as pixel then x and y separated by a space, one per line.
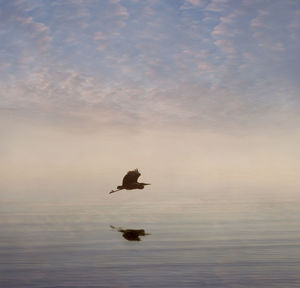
pixel 222 209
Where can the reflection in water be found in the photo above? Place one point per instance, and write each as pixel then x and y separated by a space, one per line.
pixel 131 234
pixel 217 242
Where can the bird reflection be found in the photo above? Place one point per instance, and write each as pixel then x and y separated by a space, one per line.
pixel 131 234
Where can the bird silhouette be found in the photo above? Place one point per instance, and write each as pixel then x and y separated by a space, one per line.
pixel 131 234
pixel 130 181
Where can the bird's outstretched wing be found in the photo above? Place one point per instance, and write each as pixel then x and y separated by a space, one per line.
pixel 131 177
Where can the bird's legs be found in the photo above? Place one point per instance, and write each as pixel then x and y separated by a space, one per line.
pixel 113 191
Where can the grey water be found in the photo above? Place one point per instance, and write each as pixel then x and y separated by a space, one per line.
pixel 200 241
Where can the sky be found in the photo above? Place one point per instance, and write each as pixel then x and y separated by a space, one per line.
pixel 213 84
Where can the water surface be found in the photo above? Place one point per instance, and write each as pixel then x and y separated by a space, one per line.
pixel 204 241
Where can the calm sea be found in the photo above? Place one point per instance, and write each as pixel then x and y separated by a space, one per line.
pixel 201 241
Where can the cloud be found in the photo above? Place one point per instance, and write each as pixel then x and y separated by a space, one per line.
pixel 216 5
pixel 212 62
pixel 189 4
pixel 121 11
pixel 118 9
pixel 16 21
pixel 205 67
pixel 196 2
pixel 259 21
pixel 226 45
pixel 99 36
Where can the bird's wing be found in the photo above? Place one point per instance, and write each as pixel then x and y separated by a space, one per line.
pixel 131 177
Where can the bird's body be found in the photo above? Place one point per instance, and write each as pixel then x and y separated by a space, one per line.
pixel 130 181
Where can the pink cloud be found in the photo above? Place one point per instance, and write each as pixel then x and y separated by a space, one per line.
pixel 99 36
pixel 226 45
pixel 188 4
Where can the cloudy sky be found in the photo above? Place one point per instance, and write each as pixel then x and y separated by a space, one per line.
pixel 201 65
pixel 193 62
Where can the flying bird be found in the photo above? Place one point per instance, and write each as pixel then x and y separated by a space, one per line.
pixel 130 181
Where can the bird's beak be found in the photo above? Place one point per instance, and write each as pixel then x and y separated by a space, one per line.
pixel 146 184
